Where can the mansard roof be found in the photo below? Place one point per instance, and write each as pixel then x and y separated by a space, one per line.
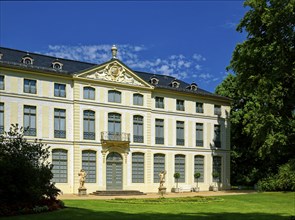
pixel 13 57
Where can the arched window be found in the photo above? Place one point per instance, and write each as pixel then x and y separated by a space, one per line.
pixel 159 165
pixel 57 65
pixel 27 59
pixel 137 168
pixel 89 125
pixel 138 129
pixel 114 96
pixel 89 165
pixel 60 166
pixel 199 167
pixel 88 93
pixel 137 99
pixel 180 167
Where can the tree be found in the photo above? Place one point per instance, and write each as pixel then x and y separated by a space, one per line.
pixel 197 175
pixel 176 176
pixel 264 89
pixel 25 171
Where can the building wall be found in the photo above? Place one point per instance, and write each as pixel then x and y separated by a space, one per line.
pixel 14 99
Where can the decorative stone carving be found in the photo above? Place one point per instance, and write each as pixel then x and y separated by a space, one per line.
pixel 162 188
pixel 82 174
pixel 115 73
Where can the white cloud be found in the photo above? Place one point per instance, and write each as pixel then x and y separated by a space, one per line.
pixel 177 65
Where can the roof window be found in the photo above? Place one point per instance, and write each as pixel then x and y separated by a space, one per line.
pixel 27 59
pixel 154 80
pixel 57 65
pixel 175 83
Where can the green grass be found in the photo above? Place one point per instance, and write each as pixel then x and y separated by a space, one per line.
pixel 256 206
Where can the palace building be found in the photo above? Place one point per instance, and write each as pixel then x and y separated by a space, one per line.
pixel 122 126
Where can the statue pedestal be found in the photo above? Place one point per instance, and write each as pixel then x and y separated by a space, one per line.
pixel 82 192
pixel 162 190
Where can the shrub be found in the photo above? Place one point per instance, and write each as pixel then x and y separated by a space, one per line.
pixel 25 172
pixel 283 181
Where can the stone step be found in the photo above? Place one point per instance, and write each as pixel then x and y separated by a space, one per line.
pixel 117 193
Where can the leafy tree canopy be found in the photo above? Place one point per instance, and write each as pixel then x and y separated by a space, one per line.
pixel 263 87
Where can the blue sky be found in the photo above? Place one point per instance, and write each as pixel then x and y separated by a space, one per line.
pixel 191 40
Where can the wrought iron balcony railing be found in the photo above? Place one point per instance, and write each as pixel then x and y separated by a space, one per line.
pixel 115 136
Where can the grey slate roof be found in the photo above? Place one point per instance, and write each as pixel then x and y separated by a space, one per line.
pixel 13 57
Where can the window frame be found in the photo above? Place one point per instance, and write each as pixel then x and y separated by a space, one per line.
pixel 114 96
pixel 30 131
pixel 159 102
pixel 180 167
pixel 60 179
pixel 58 91
pixel 159 124
pixel 180 105
pixel 137 137
pixel 180 139
pixel 138 99
pixel 2 82
pixel 199 107
pixel 91 163
pixel 87 94
pixel 138 166
pixel 199 141
pixel 89 118
pixel 199 167
pixel 217 110
pixel 32 89
pixel 159 164
pixel 60 133
pixel 217 136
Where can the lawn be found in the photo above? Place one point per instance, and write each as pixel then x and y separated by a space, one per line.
pixel 255 206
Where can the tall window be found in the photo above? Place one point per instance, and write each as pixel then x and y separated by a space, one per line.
pixel 217 137
pixel 180 167
pixel 114 126
pixel 1 118
pixel 60 166
pixel 199 107
pixel 30 120
pixel 199 134
pixel 59 123
pixel 138 99
pixel 179 105
pixel 137 168
pixel 89 165
pixel 137 129
pixel 89 125
pixel 180 133
pixel 159 102
pixel 59 90
pixel 114 96
pixel 217 110
pixel 217 167
pixel 199 167
pixel 89 93
pixel 159 165
pixel 2 86
pixel 159 131
pixel 30 86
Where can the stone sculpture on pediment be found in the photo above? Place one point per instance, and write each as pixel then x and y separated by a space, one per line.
pixel 115 73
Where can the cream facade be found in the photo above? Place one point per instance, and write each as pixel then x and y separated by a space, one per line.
pixel 120 125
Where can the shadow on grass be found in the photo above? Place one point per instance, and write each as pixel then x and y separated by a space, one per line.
pixel 86 214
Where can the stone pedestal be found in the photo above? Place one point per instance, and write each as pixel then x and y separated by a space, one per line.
pixel 162 190
pixel 82 192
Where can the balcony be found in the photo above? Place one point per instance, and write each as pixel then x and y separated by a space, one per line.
pixel 115 137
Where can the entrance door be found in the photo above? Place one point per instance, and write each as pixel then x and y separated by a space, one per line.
pixel 114 171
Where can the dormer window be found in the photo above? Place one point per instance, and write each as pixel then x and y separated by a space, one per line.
pixel 57 65
pixel 154 80
pixel 1 55
pixel 175 83
pixel 27 59
pixel 193 87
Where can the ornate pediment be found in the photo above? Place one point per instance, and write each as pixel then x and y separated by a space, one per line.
pixel 114 72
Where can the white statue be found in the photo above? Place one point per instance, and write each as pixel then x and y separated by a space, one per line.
pixel 162 178
pixel 82 174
